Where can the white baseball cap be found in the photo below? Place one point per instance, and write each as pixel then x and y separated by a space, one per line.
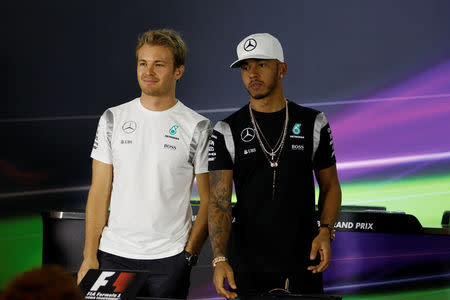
pixel 259 46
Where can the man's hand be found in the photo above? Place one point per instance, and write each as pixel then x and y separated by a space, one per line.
pixel 321 244
pixel 224 271
pixel 86 266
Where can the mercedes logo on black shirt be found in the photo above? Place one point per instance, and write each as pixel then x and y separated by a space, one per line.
pixel 248 134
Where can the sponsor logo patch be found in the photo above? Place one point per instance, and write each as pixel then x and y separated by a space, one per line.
pixel 129 126
pixel 250 45
pixel 298 147
pixel 296 128
pixel 173 129
pixel 170 147
pixel 249 151
pixel 248 134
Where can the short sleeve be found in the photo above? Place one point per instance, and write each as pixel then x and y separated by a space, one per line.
pixel 323 150
pixel 102 150
pixel 199 146
pixel 221 148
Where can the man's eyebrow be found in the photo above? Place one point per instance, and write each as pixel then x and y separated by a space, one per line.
pixel 157 60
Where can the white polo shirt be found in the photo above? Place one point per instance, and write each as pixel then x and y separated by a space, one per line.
pixel 155 156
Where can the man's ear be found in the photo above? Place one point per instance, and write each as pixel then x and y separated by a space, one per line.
pixel 282 69
pixel 179 72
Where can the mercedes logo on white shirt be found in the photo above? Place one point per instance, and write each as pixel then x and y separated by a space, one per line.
pixel 248 134
pixel 250 44
pixel 129 126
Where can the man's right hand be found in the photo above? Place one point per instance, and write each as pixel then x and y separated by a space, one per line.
pixel 86 265
pixel 224 271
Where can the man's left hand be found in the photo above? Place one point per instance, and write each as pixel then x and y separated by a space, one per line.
pixel 321 245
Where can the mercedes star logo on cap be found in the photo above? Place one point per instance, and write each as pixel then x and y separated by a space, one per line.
pixel 250 44
pixel 129 126
pixel 247 134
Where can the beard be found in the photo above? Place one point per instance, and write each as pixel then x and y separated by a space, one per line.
pixel 262 94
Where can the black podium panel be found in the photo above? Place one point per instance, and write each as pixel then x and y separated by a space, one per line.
pixel 366 242
pixel 378 221
pixel 63 239
pixel 63 233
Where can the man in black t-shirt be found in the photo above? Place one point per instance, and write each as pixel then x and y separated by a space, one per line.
pixel 271 148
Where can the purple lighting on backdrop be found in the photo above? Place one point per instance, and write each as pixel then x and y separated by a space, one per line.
pixel 384 283
pixel 410 125
pixel 392 161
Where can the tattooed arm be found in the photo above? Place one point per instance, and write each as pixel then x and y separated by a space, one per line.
pixel 219 224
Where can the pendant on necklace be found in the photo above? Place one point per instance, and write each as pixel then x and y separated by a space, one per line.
pixel 272 155
pixel 273 164
pixel 273 183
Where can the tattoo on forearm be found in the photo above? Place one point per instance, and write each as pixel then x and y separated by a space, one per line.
pixel 219 212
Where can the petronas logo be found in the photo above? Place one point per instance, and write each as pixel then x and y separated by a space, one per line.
pixel 296 128
pixel 173 129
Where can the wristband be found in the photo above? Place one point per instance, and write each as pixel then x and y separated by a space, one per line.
pixel 191 258
pixel 217 260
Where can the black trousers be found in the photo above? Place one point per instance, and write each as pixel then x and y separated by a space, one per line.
pixel 258 283
pixel 169 277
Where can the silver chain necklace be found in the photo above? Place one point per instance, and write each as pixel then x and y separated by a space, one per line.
pixel 277 145
pixel 278 148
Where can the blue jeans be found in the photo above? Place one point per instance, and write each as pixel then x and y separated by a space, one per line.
pixel 169 277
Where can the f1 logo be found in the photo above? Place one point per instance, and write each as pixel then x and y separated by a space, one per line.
pixel 120 284
pixel 122 281
pixel 101 280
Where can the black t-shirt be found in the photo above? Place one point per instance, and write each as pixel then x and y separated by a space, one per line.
pixel 272 232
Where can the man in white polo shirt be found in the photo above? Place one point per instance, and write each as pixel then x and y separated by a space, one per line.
pixel 145 156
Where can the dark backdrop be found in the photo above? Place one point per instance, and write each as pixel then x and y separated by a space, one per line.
pixel 65 62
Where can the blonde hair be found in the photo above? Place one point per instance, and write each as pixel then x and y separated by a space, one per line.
pixel 167 38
